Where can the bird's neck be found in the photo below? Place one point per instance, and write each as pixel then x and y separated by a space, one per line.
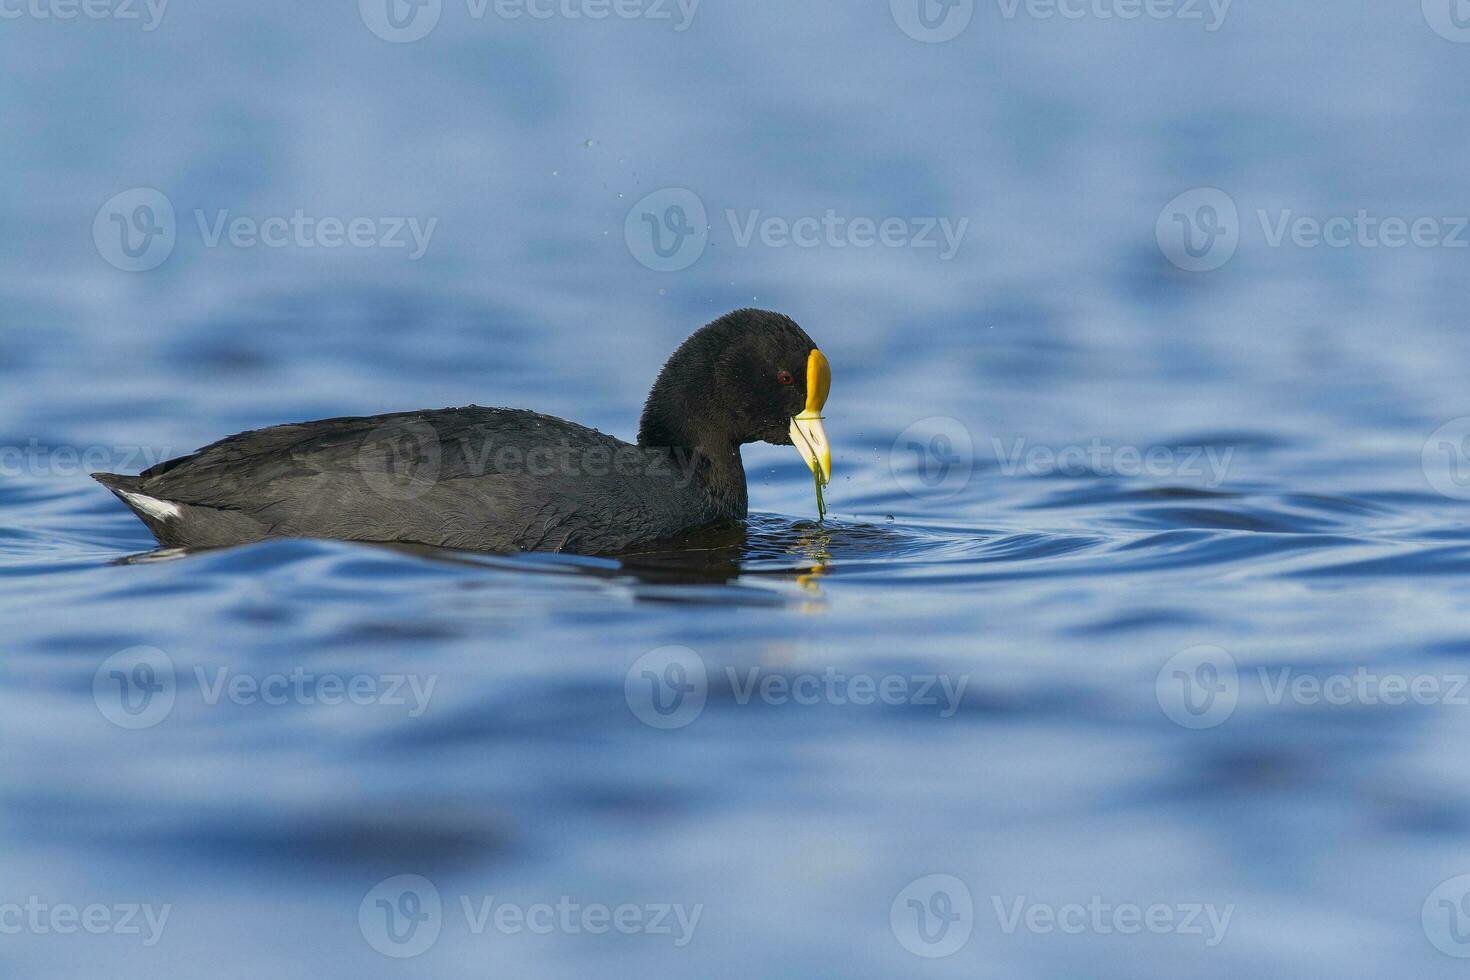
pixel 710 455
pixel 723 475
pixel 681 418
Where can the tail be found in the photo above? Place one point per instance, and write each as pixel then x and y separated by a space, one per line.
pixel 150 510
pixel 177 524
pixel 116 482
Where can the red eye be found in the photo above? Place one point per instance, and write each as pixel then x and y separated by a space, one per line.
pixel 785 377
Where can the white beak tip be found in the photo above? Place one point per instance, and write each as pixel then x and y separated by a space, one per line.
pixel 810 440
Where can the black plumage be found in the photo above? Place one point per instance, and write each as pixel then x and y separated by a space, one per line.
pixel 498 479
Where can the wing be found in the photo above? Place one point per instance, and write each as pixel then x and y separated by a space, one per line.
pixel 480 478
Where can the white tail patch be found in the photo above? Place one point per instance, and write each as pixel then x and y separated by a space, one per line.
pixel 152 506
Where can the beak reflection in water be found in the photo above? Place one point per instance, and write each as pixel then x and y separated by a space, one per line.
pixel 807 434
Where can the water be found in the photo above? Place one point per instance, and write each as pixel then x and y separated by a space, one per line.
pixel 1167 473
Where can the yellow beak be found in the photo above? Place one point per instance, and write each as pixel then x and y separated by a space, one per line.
pixel 807 434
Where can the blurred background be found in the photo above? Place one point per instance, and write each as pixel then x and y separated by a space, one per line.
pixel 1134 643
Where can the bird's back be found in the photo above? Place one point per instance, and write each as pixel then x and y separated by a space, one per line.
pixel 478 478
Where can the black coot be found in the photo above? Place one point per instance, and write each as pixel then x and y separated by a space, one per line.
pixel 498 479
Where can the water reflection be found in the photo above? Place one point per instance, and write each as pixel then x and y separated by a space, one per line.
pixel 773 548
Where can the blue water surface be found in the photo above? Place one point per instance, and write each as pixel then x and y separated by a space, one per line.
pixel 1168 535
